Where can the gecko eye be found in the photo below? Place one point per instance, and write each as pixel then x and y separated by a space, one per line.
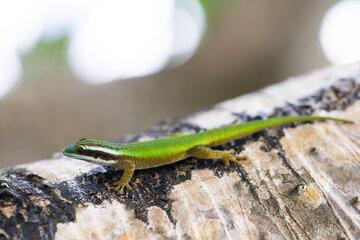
pixel 80 148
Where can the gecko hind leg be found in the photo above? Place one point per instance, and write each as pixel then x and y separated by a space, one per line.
pixel 129 169
pixel 207 153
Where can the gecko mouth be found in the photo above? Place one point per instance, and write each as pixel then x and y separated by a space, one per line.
pixel 96 157
pixel 70 151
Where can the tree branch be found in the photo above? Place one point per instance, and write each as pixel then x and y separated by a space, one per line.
pixel 300 182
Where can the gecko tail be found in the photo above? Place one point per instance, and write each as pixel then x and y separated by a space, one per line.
pixel 323 118
pixel 225 134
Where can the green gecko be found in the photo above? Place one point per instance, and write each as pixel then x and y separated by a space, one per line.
pixel 174 148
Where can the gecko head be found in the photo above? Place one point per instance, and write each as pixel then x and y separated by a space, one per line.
pixel 74 151
pixel 92 151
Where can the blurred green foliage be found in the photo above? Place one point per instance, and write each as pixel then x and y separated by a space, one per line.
pixel 43 56
pixel 211 6
pixel 46 53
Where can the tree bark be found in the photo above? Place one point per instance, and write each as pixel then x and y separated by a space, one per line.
pixel 301 181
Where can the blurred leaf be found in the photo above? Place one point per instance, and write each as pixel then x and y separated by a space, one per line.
pixel 44 56
pixel 211 6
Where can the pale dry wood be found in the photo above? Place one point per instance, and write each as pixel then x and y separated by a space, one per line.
pixel 300 182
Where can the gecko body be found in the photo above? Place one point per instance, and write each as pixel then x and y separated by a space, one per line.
pixel 167 150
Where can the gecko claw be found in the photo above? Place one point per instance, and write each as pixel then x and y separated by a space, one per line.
pixel 120 187
pixel 239 159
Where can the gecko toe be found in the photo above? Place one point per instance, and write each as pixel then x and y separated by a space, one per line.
pixel 120 188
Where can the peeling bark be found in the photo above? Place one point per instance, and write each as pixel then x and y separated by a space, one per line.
pixel 301 181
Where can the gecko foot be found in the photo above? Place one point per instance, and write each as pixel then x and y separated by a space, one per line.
pixel 120 187
pixel 239 159
pixel 232 157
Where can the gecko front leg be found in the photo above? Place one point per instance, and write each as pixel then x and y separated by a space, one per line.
pixel 129 168
pixel 207 153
